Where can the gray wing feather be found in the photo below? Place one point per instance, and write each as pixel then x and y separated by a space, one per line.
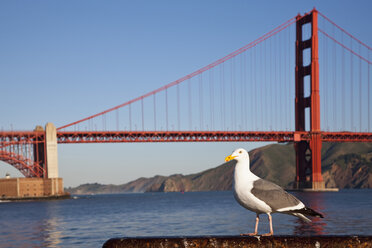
pixel 273 195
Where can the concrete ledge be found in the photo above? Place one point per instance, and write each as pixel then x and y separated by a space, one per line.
pixel 241 241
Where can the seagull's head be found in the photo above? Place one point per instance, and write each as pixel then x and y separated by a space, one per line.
pixel 239 155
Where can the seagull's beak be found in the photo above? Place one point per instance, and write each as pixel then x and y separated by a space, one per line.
pixel 228 158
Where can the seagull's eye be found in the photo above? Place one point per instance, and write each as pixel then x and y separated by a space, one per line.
pixel 240 151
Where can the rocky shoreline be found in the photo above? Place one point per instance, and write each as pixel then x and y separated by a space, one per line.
pixel 37 198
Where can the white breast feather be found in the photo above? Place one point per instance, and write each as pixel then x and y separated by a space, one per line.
pixel 243 183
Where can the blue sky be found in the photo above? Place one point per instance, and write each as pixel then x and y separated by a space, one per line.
pixel 64 60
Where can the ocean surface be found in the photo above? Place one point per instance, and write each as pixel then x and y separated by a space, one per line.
pixel 88 221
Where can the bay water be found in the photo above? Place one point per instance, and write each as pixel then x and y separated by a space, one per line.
pixel 90 220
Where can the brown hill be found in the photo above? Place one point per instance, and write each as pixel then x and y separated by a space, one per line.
pixel 345 165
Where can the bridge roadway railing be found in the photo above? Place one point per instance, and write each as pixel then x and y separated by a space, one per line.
pixel 10 138
pixel 204 136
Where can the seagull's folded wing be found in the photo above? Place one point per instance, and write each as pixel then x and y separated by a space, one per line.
pixel 274 196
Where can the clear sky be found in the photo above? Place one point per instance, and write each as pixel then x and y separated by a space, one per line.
pixel 61 61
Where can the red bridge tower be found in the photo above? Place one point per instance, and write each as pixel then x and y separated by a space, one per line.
pixel 308 153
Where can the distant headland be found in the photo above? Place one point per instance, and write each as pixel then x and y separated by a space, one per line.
pixel 345 165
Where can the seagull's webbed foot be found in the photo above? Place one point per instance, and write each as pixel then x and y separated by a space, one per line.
pixel 248 234
pixel 268 234
pixel 255 228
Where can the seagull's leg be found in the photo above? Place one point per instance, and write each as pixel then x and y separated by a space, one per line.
pixel 271 233
pixel 255 228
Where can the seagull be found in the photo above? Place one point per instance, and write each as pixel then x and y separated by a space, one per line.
pixel 262 196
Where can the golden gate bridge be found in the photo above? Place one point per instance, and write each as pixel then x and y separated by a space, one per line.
pixel 307 81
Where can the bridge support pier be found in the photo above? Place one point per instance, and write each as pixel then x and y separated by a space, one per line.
pixel 308 153
pixel 45 151
pixel 51 150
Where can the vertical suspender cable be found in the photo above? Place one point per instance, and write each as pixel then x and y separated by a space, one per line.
pixel 223 97
pixel 166 109
pixel 233 80
pixel 254 89
pixel 360 92
pixel 288 79
pixel 286 96
pixel 232 110
pixel 261 87
pixel 245 114
pixel 242 90
pixel 351 88
pixel 235 107
pixel 103 122
pixel 264 86
pixel 130 117
pixel 117 119
pixel 143 121
pixel 190 107
pixel 334 84
pixel 287 91
pixel 211 99
pixel 270 85
pixel 275 81
pixel 178 108
pixel 281 86
pixel 369 93
pixel 154 112
pixel 201 101
pixel 326 84
pixel 251 91
pixel 280 82
pixel 343 87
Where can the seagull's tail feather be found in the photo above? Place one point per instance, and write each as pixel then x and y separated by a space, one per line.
pixel 307 211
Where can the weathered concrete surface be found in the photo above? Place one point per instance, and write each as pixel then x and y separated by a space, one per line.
pixel 241 241
pixel 51 151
